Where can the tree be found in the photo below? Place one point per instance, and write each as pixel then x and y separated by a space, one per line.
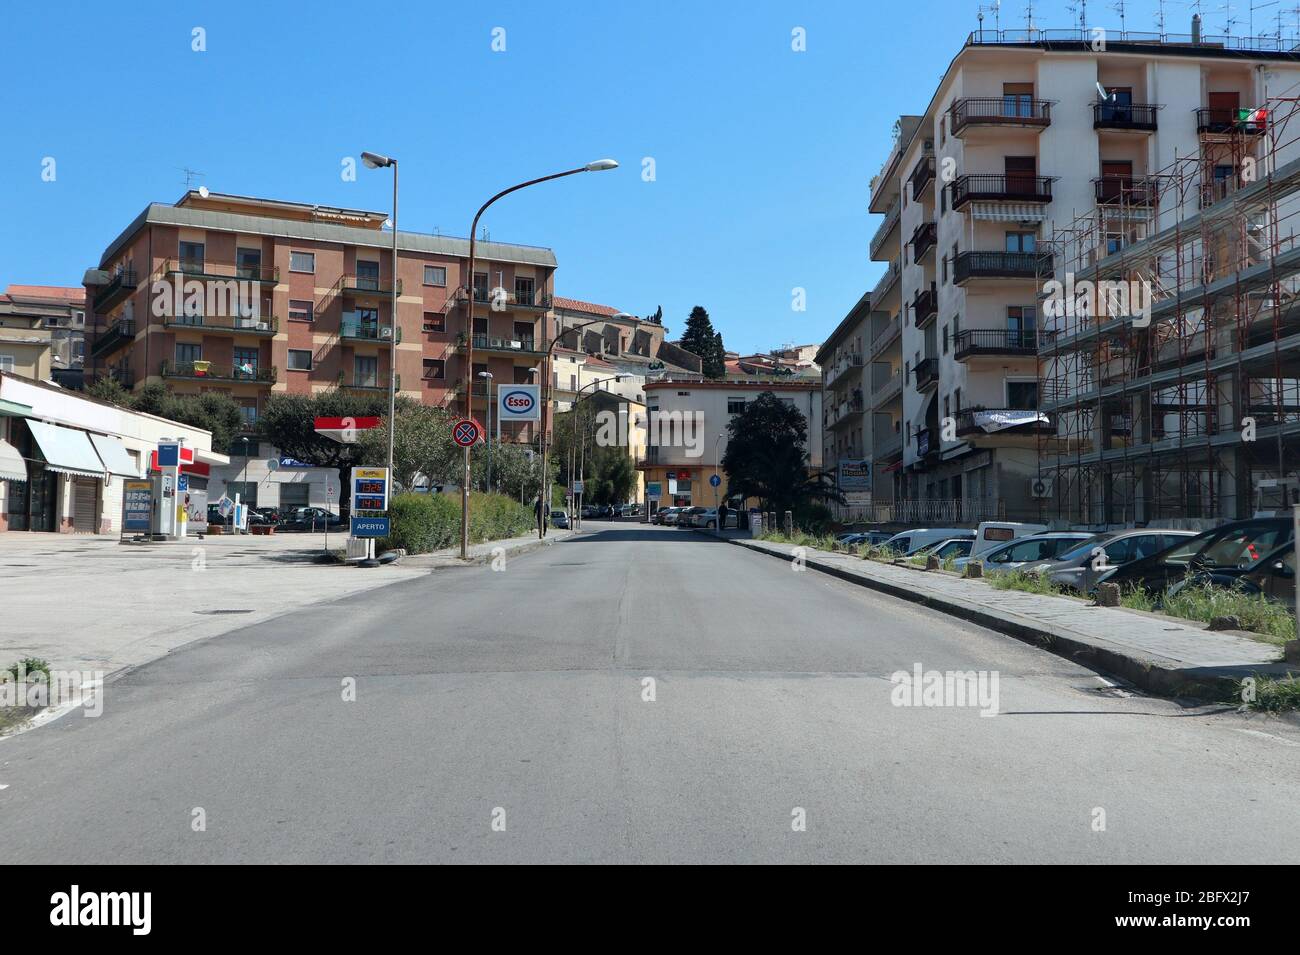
pixel 422 445
pixel 212 411
pixel 766 459
pixel 610 476
pixel 701 339
pixel 289 423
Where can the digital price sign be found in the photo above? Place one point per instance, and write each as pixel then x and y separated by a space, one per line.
pixel 370 489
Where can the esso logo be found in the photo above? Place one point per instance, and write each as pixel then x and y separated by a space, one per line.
pixel 518 402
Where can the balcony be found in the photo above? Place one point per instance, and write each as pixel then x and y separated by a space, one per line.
pixel 1002 342
pixel 208 371
pixel 119 288
pixel 520 298
pixel 926 373
pixel 995 187
pixel 848 409
pixel 998 111
pixel 1230 122
pixel 121 332
pixel 887 335
pixel 840 366
pixel 923 240
pixel 925 306
pixel 885 388
pixel 892 271
pixel 891 221
pixel 235 324
pixel 1126 117
pixel 366 285
pixel 1000 265
pixel 265 274
pixel 980 421
pixel 511 346
pixel 886 442
pixel 1126 190
pixel 921 177
pixel 123 377
pixel 353 328
pixel 378 382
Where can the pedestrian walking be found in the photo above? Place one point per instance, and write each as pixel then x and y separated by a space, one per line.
pixel 540 513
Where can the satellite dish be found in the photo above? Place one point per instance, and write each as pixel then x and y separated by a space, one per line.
pixel 1105 96
pixel 203 191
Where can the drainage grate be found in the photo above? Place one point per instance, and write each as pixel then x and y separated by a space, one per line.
pixel 211 613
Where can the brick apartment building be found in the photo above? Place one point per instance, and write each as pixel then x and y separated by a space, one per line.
pixel 287 297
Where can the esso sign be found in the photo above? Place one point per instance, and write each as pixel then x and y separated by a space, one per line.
pixel 519 403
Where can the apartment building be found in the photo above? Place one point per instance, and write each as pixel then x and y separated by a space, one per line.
pixel 1015 143
pixel 54 312
pixel 254 297
pixel 687 446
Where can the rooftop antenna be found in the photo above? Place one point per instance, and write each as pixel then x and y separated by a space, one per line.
pixel 1260 6
pixel 190 176
pixel 1228 19
pixel 1118 6
pixel 1029 17
pixel 1081 7
pixel 1160 16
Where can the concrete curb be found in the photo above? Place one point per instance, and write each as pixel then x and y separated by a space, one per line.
pixel 1153 674
pixel 448 559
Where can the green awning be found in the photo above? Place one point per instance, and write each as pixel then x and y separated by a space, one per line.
pixel 13 409
pixel 12 465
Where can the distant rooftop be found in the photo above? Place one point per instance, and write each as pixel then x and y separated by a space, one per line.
pixel 1269 45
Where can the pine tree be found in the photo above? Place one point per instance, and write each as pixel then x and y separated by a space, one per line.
pixel 701 339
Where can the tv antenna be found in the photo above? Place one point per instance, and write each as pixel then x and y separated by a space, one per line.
pixel 1081 7
pixel 1260 6
pixel 190 175
pixel 1160 16
pixel 996 9
pixel 1029 17
pixel 1119 7
pixel 1228 19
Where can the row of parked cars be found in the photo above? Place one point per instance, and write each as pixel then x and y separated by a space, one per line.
pixel 289 519
pixel 692 517
pixel 1256 556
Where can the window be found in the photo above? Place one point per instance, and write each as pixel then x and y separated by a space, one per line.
pixel 480 287
pixel 1022 395
pixel 7 363
pixel 302 262
pixel 523 375
pixel 480 326
pixel 524 334
pixel 435 275
pixel 300 359
pixel 524 291
pixel 1021 322
pixel 435 322
pixel 299 310
pixel 248 412
pixel 368 275
pixel 188 354
pixel 246 362
pixel 735 406
pixel 248 263
pixel 1021 241
pixel 1018 99
pixel 435 368
pixel 191 257
pixel 365 371
pixel 945 339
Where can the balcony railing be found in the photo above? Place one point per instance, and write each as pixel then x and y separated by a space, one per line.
pixel 926 373
pixel 210 371
pixel 122 284
pixel 888 332
pixel 120 333
pixel 516 299
pixel 1010 187
pixel 937 513
pixel 267 325
pixel 1213 119
pixel 1012 110
pixel 883 387
pixel 886 442
pixel 1126 190
pixel 886 282
pixel 967 424
pixel 352 284
pixel 269 274
pixel 891 220
pixel 376 382
pixel 123 377
pixel 367 331
pixel 1000 265
pixel 998 341
pixel 925 305
pixel 1135 116
pixel 518 346
pixel 923 240
pixel 921 177
pixel 841 365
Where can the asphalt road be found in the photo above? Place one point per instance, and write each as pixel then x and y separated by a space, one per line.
pixel 516 696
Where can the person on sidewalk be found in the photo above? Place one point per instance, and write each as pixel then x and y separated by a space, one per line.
pixel 722 517
pixel 540 513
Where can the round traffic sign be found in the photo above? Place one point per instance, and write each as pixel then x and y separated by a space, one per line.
pixel 465 432
pixel 714 480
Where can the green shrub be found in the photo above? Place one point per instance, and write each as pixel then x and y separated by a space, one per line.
pixel 28 666
pixel 814 518
pixel 427 522
pixel 1274 696
pixel 1256 612
pixel 1135 598
pixel 1029 583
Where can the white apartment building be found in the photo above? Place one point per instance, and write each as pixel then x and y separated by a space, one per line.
pixel 1015 143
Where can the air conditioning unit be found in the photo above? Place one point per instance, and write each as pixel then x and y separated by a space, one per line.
pixel 1041 487
pixel 385 333
pixel 515 344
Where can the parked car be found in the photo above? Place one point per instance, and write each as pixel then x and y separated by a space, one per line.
pixel 686 516
pixel 668 516
pixel 993 534
pixel 560 519
pixel 1229 547
pixel 1272 576
pixel 1081 568
pixel 906 541
pixel 933 545
pixel 708 517
pixel 269 515
pixel 954 547
pixel 311 519
pixel 1034 549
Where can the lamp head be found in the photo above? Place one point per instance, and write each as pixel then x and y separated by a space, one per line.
pixel 600 165
pixel 374 160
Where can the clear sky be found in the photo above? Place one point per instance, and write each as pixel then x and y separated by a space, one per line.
pixel 762 155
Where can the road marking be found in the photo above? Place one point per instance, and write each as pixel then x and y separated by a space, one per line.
pixel 1269 736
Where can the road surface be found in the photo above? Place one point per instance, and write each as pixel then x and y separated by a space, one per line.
pixel 500 716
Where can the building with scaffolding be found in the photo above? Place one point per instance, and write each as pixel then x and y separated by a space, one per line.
pixel 1170 352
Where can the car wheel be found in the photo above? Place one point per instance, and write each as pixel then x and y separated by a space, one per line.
pixel 712 525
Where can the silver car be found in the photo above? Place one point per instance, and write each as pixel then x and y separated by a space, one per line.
pixel 1080 568
pixel 1035 549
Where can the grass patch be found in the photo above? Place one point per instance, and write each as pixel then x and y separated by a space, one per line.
pixel 1029 583
pixel 1257 613
pixel 12 717
pixel 1135 598
pixel 800 539
pixel 1276 695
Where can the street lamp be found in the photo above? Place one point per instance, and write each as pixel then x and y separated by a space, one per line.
pixel 376 161
pixel 487 377
pixel 715 471
pixel 598 166
pixel 582 452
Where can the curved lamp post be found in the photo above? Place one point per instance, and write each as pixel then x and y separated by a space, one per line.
pixel 598 166
pixel 582 466
pixel 376 161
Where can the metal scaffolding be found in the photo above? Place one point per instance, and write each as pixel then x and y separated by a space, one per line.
pixel 1185 415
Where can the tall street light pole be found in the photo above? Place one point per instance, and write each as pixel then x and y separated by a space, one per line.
pixel 582 455
pixel 487 380
pixel 376 161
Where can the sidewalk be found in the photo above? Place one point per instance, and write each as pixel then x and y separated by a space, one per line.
pixel 1157 653
pixel 84 602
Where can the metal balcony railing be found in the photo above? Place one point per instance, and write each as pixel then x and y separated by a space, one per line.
pixel 923 240
pixel 1134 116
pixel 1012 187
pixel 114 337
pixel 921 177
pixel 261 325
pixel 122 284
pixel 1000 265
pixel 926 373
pixel 215 270
pixel 498 343
pixel 966 423
pixel 214 372
pixel 1125 190
pixel 1213 119
pixel 363 330
pixel 370 382
pixel 1010 110
pixel 925 305
pixel 892 216
pixel 998 341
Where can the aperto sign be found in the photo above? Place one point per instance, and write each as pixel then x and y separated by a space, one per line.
pixel 519 403
pixel 369 526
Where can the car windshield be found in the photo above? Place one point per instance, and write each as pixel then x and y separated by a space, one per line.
pixel 1082 550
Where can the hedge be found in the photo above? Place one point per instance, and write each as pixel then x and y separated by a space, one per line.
pixel 426 522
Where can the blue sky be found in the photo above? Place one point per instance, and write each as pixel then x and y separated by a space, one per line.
pixel 762 155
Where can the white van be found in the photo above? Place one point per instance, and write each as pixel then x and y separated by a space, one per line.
pixel 904 542
pixel 991 534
